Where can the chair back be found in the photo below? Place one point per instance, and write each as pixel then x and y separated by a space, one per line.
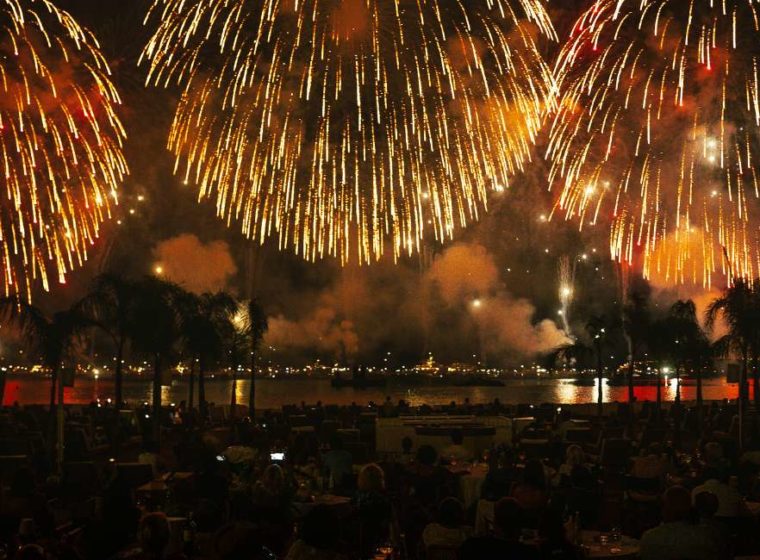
pixel 135 474
pixel 442 553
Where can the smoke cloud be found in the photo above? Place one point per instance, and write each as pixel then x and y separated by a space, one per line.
pixel 466 276
pixel 322 331
pixel 196 266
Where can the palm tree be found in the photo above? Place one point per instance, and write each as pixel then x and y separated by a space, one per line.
pixel 256 327
pixel 690 342
pixel 736 307
pixel 596 327
pixel 206 325
pixel 109 304
pixel 636 323
pixel 52 339
pixel 661 349
pixel 155 330
pixel 739 306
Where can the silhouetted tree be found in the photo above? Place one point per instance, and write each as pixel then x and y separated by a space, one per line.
pixel 155 331
pixel 596 328
pixel 109 304
pixel 206 325
pixel 636 322
pixel 52 340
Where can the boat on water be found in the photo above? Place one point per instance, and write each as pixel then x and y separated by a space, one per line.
pixel 478 381
pixel 359 380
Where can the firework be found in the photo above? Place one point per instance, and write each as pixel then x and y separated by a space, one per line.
pixel 656 133
pixel 566 275
pixel 60 143
pixel 343 126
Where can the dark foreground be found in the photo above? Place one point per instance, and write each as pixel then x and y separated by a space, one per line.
pixel 463 482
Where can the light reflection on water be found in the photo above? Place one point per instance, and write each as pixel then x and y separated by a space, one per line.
pixel 271 393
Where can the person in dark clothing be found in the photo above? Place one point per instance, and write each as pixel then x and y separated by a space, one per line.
pixel 506 543
pixel 553 541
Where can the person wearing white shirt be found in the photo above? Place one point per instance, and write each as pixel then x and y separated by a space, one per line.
pixel 730 502
pixel 677 538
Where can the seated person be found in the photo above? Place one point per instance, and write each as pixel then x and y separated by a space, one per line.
pixel 374 509
pixel 677 537
pixel 574 457
pixel 730 502
pixel 338 462
pixel 427 480
pixel 153 537
pixel 705 507
pixel 449 529
pixel 456 452
pixel 501 475
pixel 318 537
pixel 505 544
pixel 240 540
pixel 553 542
pixel 650 464
pixel 531 493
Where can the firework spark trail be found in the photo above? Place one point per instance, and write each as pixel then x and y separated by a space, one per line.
pixel 656 133
pixel 60 143
pixel 566 291
pixel 340 126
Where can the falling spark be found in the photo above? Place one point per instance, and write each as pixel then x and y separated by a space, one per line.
pixel 656 133
pixel 566 291
pixel 60 144
pixel 342 126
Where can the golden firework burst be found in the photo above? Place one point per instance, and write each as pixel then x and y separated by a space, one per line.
pixel 60 143
pixel 342 126
pixel 656 133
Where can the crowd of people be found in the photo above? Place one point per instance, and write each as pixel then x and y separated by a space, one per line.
pixel 306 483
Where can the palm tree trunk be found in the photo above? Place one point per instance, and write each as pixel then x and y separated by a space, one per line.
pixel 700 399
pixel 233 395
pixel 678 384
pixel 631 396
pixel 755 382
pixel 191 389
pixel 252 393
pixel 51 427
pixel 3 380
pixel 53 380
pixel 157 399
pixel 202 388
pixel 118 376
pixel 743 387
pixel 743 397
pixel 60 423
pixel 658 411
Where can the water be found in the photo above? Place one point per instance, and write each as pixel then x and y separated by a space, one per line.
pixel 273 393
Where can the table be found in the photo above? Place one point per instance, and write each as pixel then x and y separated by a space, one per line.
pixel 471 479
pixel 349 435
pixel 592 548
pixel 338 502
pixel 156 490
pixel 303 429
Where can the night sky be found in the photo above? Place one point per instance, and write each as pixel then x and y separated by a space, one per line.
pixel 494 288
